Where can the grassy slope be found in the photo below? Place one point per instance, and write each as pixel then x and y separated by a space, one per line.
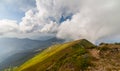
pixel 75 56
pixel 61 57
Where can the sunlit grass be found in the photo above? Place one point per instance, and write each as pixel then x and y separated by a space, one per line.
pixel 55 56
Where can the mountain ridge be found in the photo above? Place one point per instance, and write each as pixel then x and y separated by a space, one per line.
pixel 56 49
pixel 79 55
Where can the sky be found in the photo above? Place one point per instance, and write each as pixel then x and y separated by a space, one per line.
pixel 14 9
pixel 95 20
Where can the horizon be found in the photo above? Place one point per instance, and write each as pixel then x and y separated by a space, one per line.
pixel 49 22
pixel 39 19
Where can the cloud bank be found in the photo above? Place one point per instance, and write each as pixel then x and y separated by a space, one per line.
pixel 67 19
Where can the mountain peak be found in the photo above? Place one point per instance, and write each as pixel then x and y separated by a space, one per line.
pixel 64 50
pixel 85 43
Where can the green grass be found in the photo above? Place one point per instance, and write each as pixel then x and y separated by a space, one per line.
pixel 58 56
pixel 104 48
pixel 11 69
pixel 74 56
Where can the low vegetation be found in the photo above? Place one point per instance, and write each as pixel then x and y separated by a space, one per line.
pixel 80 55
pixel 11 69
pixel 68 56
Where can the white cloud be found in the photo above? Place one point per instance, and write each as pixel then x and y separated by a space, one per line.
pixel 90 19
pixel 51 28
pixel 47 15
pixel 8 26
pixel 95 19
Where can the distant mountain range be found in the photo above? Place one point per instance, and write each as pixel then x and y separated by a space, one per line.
pixel 22 44
pixel 14 51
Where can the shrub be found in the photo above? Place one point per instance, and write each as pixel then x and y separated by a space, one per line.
pixel 103 43
pixel 103 48
pixel 83 62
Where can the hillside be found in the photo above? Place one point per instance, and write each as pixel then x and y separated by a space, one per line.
pixel 80 55
pixel 53 57
pixel 16 51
